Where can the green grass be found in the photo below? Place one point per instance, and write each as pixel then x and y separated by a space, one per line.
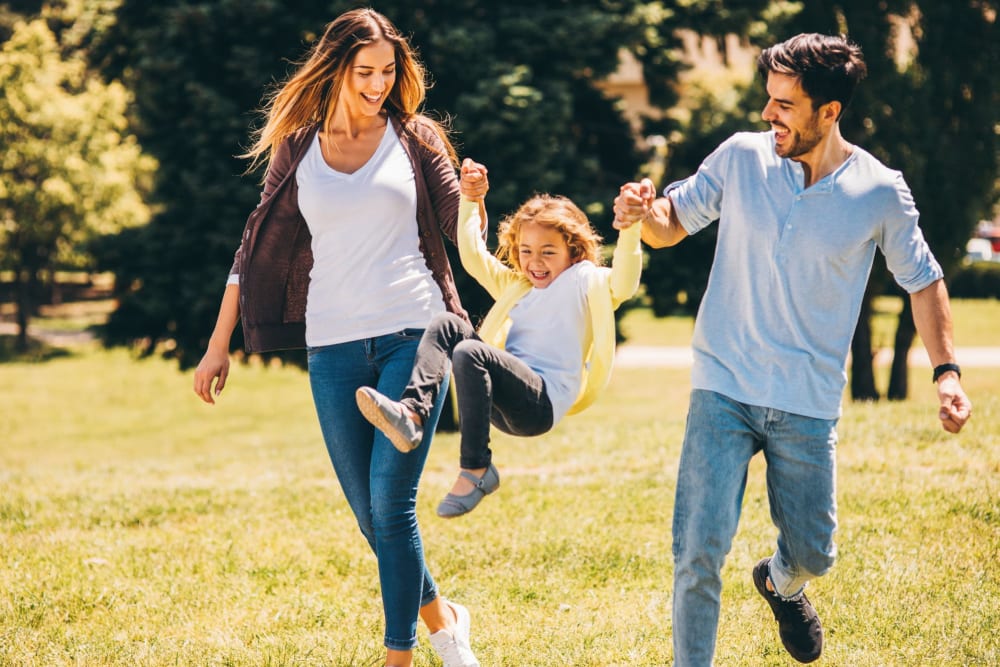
pixel 139 526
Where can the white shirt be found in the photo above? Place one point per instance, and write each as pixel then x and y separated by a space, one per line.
pixel 550 345
pixel 369 277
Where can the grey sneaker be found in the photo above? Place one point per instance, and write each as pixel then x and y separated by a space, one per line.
pixel 391 418
pixel 453 645
pixel 798 623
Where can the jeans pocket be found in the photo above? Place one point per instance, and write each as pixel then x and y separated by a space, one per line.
pixel 410 333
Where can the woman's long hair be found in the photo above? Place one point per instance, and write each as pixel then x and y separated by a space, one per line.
pixel 310 94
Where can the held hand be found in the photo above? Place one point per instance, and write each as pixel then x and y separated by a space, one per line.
pixel 474 183
pixel 633 203
pixel 956 408
pixel 215 364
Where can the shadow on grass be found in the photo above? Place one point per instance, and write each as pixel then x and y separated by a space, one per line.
pixel 37 350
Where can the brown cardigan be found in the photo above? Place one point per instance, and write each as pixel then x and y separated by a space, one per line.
pixel 275 253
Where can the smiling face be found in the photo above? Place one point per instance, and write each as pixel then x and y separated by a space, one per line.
pixel 542 253
pixel 798 127
pixel 369 79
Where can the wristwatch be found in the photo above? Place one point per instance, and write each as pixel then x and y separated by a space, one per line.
pixel 944 368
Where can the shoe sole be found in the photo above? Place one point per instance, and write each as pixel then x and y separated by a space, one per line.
pixel 369 408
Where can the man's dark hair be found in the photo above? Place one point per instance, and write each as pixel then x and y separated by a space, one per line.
pixel 828 67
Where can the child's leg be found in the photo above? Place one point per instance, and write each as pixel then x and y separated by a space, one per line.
pixel 431 365
pixel 491 383
pixel 495 385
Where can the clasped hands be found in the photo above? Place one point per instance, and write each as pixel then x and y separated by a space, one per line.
pixel 633 203
pixel 474 183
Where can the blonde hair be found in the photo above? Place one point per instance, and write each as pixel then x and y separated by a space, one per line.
pixel 555 212
pixel 310 94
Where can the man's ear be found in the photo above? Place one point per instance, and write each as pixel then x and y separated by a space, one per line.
pixel 831 111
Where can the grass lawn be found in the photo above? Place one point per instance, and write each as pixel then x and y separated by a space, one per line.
pixel 139 526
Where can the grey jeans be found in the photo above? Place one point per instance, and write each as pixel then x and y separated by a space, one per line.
pixel 492 385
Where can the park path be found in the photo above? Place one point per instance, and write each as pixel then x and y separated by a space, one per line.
pixel 627 356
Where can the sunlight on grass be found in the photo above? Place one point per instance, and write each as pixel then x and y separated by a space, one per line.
pixel 142 527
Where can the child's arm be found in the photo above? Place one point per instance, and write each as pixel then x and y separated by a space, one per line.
pixel 477 260
pixel 474 185
pixel 626 265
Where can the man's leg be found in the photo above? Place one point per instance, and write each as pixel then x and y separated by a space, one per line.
pixel 801 488
pixel 719 441
pixel 801 474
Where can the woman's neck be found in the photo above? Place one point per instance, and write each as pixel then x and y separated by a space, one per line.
pixel 352 126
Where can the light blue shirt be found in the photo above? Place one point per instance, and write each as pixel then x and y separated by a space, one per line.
pixel 790 270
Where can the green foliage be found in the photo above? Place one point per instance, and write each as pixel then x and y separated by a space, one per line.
pixel 68 171
pixel 979 280
pixel 929 108
pixel 517 79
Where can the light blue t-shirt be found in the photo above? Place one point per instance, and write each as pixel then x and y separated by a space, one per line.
pixel 790 269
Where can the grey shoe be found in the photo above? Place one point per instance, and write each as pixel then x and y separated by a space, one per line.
pixel 391 418
pixel 454 505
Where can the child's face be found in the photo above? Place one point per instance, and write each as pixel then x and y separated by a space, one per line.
pixel 543 254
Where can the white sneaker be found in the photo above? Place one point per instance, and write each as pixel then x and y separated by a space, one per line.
pixel 453 645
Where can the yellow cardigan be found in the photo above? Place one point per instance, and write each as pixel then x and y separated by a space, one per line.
pixel 608 289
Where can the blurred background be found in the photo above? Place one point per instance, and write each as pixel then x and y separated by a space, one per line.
pixel 120 121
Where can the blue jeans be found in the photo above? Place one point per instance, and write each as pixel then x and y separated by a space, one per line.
pixel 379 482
pixel 721 437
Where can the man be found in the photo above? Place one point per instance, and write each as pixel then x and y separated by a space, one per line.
pixel 801 212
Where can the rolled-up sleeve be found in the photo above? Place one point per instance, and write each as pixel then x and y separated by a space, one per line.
pixel 907 255
pixel 697 199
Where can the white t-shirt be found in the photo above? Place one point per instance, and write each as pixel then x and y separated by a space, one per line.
pixel 553 346
pixel 369 277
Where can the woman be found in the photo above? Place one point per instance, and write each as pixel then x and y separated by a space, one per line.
pixel 344 255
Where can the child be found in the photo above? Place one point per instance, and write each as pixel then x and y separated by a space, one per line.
pixel 544 350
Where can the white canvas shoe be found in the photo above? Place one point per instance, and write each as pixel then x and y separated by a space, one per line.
pixel 453 645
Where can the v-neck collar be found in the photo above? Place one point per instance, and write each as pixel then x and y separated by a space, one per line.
pixel 367 165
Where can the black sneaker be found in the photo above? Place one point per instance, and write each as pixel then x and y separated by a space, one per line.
pixel 798 624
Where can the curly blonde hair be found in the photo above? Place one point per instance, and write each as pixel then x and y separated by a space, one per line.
pixel 555 212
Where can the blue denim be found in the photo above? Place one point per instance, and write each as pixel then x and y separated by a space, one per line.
pixel 721 437
pixel 379 482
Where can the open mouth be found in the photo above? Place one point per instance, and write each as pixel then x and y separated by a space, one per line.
pixel 538 276
pixel 374 99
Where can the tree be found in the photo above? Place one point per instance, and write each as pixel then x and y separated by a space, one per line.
pixel 67 172
pixel 929 108
pixel 518 80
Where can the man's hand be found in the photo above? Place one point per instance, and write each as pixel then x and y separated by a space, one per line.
pixel 633 203
pixel 956 408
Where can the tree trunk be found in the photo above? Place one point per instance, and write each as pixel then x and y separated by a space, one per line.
pixel 23 306
pixel 862 356
pixel 905 331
